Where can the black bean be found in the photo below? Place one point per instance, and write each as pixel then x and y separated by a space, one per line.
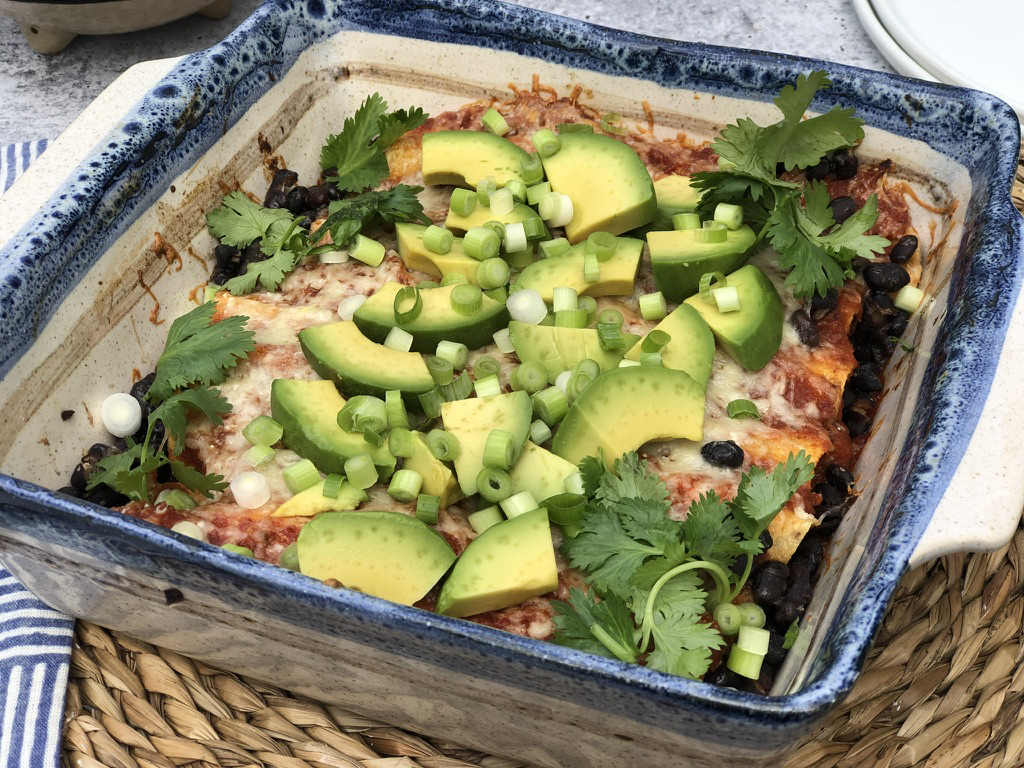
pixel 805 328
pixel 817 172
pixel 810 553
pixel 763 684
pixel 849 397
pixel 296 200
pixel 275 198
pixel 843 208
pixel 776 653
pixel 856 422
pixel 859 263
pixel 786 613
pixel 825 303
pixel 770 583
pixel 839 477
pixel 66 414
pixel 866 377
pixel 904 249
pixel 68 490
pixel 219 277
pixel 141 387
pixel 284 179
pixel 844 164
pixel 766 540
pixel 224 256
pixel 317 198
pixel 722 453
pixel 724 676
pixel 899 323
pixel 830 497
pixel 333 192
pixel 250 255
pixel 102 450
pixel 886 276
pixel 106 497
pixel 798 590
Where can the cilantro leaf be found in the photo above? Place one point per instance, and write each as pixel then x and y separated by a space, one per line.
pixel 198 350
pixel 347 218
pixel 761 495
pixel 592 469
pixel 849 236
pixel 173 412
pixel 682 644
pixel 196 480
pixel 116 471
pixel 239 221
pixel 396 124
pixel 632 479
pixel 647 521
pixel 603 627
pixel 711 531
pixel 607 552
pixel 737 145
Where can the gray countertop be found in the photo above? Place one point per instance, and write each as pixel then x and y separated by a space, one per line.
pixel 40 95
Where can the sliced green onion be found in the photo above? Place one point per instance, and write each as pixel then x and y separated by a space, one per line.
pixel 684 221
pixel 572 531
pixel 753 639
pixel 536 192
pixel 494 122
pixel 589 305
pixel 730 215
pixel 709 280
pixel 742 409
pixel 405 485
pixel 405 295
pixel 492 273
pixel 728 618
pixel 546 142
pixel 484 518
pixel 438 239
pixel 579 379
pixel 444 445
pixel 499 449
pixel 611 122
pixel 259 455
pixel 374 437
pixel 556 209
pixel 517 504
pixel 527 306
pixel 290 557
pixel 550 405
pixel 539 432
pixel 745 663
pixel 625 363
pixel 532 170
pixel 453 278
pixel 362 412
pixel 427 508
pixel 710 233
pixel 727 299
pixel 534 228
pixel 210 293
pixel 488 386
pixel 401 442
pixel 367 250
pixel 655 341
pixel 399 339
pixel 481 243
pixel 909 298
pixel 566 508
pixel 394 409
pixel 752 615
pixel 484 189
pixel 499 294
pixel 263 430
pixel 430 404
pixel 332 485
pixel 503 341
pixel 494 484
pixel 601 244
pixel 564 297
pixel 502 202
pixel 574 483
pixel 441 370
pixel 250 489
pixel 791 635
pixel 520 259
pixel 463 201
pixel 609 336
pixel 515 237
pixel 562 381
pixel 551 248
pixel 653 306
pixel 650 358
pixel 459 389
pixel 531 376
pixel 300 476
pixel 236 549
pixel 610 316
pixel 348 306
pixel 426 285
pixel 517 188
pixel 454 352
pixel 591 268
pixel 177 498
pixel 571 318
pixel 485 365
pixel 467 299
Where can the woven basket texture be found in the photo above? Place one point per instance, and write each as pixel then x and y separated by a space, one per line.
pixel 943 688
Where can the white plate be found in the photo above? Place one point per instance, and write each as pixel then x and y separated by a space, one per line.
pixel 938 40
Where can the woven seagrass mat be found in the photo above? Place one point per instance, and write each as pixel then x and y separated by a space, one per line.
pixel 943 688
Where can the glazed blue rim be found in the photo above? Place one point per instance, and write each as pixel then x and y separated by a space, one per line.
pixel 217 86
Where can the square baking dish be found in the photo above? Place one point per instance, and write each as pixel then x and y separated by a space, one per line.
pixel 84 279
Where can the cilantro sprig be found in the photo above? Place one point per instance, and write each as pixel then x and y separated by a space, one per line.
pixel 197 354
pixel 796 220
pixel 647 600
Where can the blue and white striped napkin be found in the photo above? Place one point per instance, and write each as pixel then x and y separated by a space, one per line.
pixel 35 641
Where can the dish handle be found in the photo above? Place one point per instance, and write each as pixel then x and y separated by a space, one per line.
pixel 982 505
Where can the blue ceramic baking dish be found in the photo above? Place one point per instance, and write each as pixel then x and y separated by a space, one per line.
pixel 111 221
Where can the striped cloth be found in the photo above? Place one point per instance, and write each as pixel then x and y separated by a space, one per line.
pixel 35 641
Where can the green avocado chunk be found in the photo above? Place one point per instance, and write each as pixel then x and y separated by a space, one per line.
pixel 691 348
pixel 678 260
pixel 471 420
pixel 438 479
pixel 560 349
pixel 751 335
pixel 437 320
pixel 359 366
pixel 384 554
pixel 415 255
pixel 482 214
pixel 508 563
pixel 566 269
pixel 674 195
pixel 623 409
pixel 609 185
pixel 464 158
pixel 308 412
pixel 312 501
pixel 540 472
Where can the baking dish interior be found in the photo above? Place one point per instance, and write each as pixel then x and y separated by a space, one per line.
pixel 108 282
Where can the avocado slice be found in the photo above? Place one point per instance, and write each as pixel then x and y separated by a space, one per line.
pixel 359 366
pixel 437 320
pixel 623 409
pixel 308 411
pixel 508 563
pixel 609 185
pixel 751 335
pixel 540 472
pixel 463 158
pixel 385 554
pixel 617 274
pixel 674 195
pixel 312 501
pixel 482 214
pixel 438 479
pixel 678 260
pixel 415 255
pixel 470 421
pixel 691 348
pixel 561 349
